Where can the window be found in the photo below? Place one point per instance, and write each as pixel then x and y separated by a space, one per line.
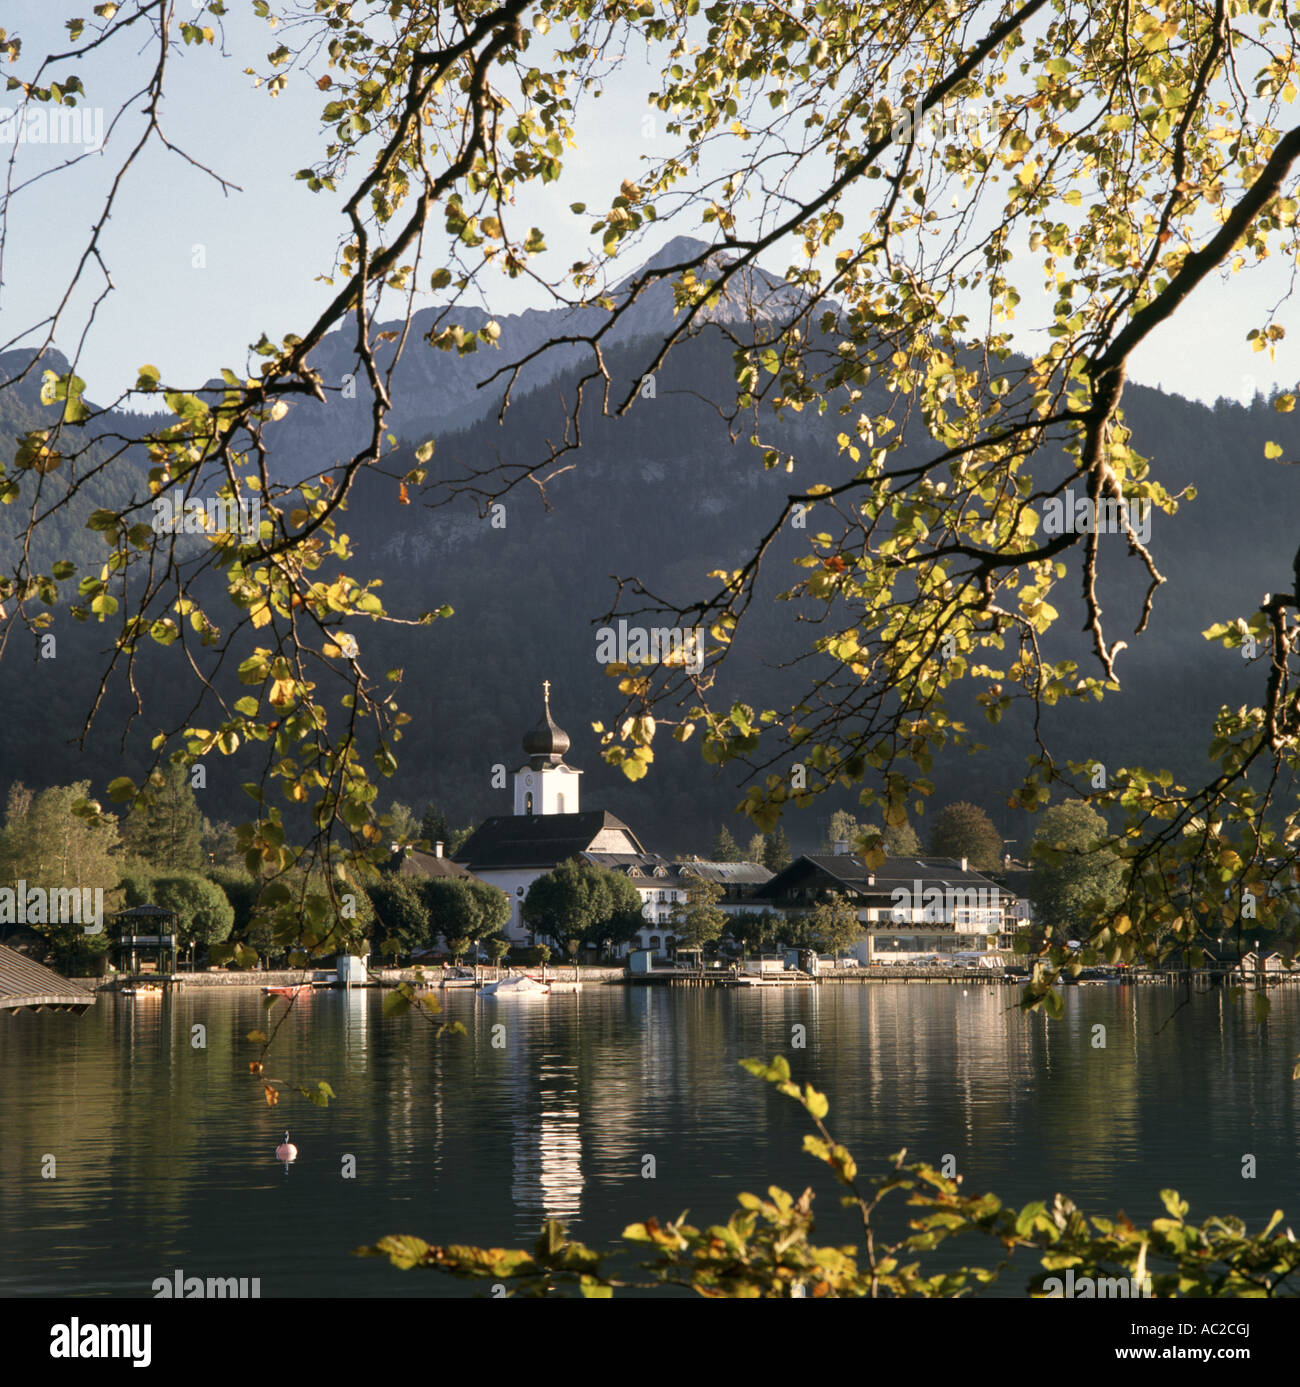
pixel 528 802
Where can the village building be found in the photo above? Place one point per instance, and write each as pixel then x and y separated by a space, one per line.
pixel 909 907
pixel 549 826
pixel 1256 961
pixel 739 881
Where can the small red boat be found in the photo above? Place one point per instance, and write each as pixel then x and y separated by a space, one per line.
pixel 291 990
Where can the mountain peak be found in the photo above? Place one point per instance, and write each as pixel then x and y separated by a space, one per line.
pixel 680 248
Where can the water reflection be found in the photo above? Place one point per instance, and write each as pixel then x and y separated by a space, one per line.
pixel 545 1108
pixel 356 1019
pixel 157 1141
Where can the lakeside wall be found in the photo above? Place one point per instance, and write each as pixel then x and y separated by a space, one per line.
pixel 290 977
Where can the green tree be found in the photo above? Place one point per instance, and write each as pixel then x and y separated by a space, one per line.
pixel 755 931
pixel 796 931
pixel 350 921
pixel 167 830
pixel 756 851
pixel 433 826
pixel 965 830
pixel 457 838
pixel 47 845
pixel 497 948
pixel 725 848
pixel 843 828
pixel 697 920
pixel 901 840
pixel 833 925
pixel 219 844
pixel 895 840
pixel 1077 876
pixel 579 900
pixel 776 850
pixel 252 926
pixel 401 910
pixel 204 916
pixel 624 926
pixel 403 826
pixel 136 888
pixel 457 947
pixel 452 909
pixel 492 908
pixel 240 890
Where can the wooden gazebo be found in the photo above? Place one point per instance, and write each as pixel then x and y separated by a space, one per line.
pixel 161 944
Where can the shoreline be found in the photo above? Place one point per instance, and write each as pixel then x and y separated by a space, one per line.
pixel 597 976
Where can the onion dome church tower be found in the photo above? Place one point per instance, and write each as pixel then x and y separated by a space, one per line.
pixel 544 784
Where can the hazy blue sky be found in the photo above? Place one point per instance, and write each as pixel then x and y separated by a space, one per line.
pixel 262 246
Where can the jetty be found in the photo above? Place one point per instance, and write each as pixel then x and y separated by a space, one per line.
pixel 29 986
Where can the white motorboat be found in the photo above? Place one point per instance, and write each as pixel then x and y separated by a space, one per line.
pixel 520 986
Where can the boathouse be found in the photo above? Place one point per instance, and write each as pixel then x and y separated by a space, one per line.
pixel 29 986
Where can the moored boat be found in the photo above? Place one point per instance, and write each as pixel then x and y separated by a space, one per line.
pixel 521 986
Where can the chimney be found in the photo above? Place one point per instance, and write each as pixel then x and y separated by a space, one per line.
pixel 963 864
pixel 841 847
pixel 437 849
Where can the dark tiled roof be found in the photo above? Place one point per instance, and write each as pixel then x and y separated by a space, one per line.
pixel 642 866
pixel 425 864
pixel 725 873
pixel 538 840
pixel 27 984
pixel 849 871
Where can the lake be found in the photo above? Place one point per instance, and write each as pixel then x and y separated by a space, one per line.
pixel 164 1153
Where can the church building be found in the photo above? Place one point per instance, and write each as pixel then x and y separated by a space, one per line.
pixel 549 826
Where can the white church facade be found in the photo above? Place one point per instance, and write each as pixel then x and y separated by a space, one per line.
pixel 549 826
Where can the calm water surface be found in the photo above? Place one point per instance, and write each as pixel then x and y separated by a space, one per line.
pixel 164 1152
